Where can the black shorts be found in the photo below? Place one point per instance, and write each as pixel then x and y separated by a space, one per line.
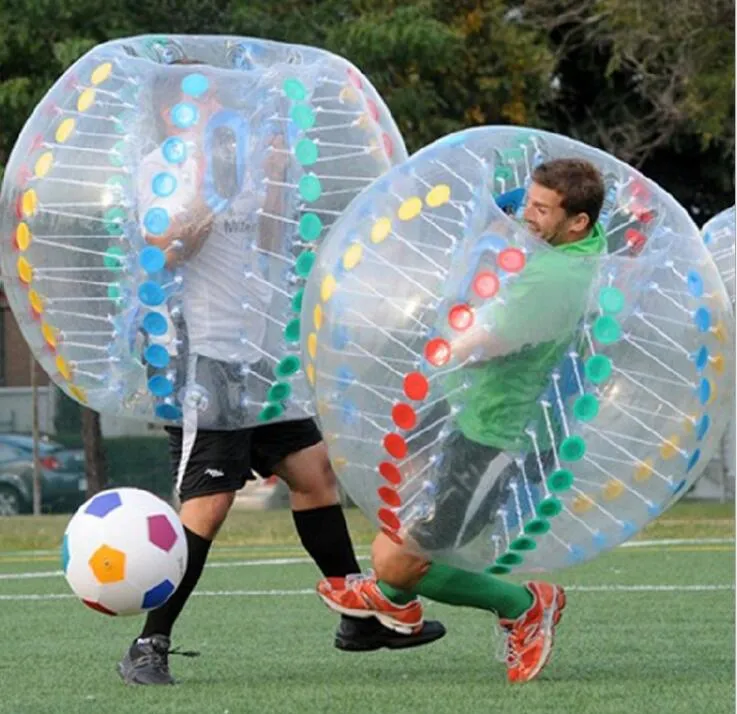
pixel 221 461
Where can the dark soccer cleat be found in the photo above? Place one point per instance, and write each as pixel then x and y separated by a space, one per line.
pixel 354 635
pixel 147 661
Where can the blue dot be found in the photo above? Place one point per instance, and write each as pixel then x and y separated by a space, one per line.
pixel 676 487
pixel 156 221
pixel 174 150
pixel 168 412
pixel 155 324
pixel 702 319
pixel 707 238
pixel 163 184
pixel 576 554
pixel 600 541
pixel 150 293
pixel 349 413
pixel 701 359
pixel 160 386
pixel 693 460
pixel 695 284
pixel 195 85
pixel 703 427
pixel 339 337
pixel 654 510
pixel 704 391
pixel 156 356
pixel 629 529
pixel 184 115
pixel 152 259
pixel 345 377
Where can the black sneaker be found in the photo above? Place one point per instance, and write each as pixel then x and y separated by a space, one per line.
pixel 147 661
pixel 355 635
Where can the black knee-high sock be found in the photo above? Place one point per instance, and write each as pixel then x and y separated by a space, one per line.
pixel 324 535
pixel 161 621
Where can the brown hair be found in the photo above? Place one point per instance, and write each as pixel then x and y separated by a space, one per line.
pixel 579 183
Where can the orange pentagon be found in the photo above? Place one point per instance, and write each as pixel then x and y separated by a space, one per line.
pixel 108 564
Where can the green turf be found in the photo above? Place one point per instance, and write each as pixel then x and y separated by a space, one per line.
pixel 625 651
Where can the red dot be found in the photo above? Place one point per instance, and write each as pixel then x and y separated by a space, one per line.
pixel 373 110
pixel 395 446
pixel 354 78
pixel 388 145
pixel 437 352
pixel 19 207
pixel 404 416
pixel 98 607
pixel 392 536
pixel 390 472
pixel 416 386
pixel 635 240
pixel 460 317
pixel 389 496
pixel 24 173
pixel 640 190
pixel 38 142
pixel 511 259
pixel 641 212
pixel 486 284
pixel 388 518
pixel 36 316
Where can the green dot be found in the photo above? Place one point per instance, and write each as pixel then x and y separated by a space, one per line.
pixel 291 331
pixel 510 559
pixel 304 263
pixel 586 407
pixel 279 392
pixel 523 543
pixel 607 330
pixel 611 300
pixel 303 116
pixel 114 257
pixel 598 368
pixel 498 570
pixel 306 152
pixel 115 156
pixel 310 227
pixel 513 155
pixel 537 526
pixel 560 480
pixel 310 188
pixel 503 173
pixel 549 507
pixel 294 89
pixel 114 219
pixel 288 366
pixel 270 411
pixel 572 449
pixel 297 300
pixel 113 291
pixel 117 183
pixel 124 119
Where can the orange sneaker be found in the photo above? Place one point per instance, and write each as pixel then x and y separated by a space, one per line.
pixel 529 638
pixel 359 596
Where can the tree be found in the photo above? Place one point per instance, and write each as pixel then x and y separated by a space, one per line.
pixel 94 455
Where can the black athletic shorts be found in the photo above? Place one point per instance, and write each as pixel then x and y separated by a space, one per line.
pixel 221 461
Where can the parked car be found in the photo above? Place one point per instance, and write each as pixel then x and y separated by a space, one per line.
pixel 63 481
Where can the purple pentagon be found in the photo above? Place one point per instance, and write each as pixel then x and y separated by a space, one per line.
pixel 157 595
pixel 101 505
pixel 161 533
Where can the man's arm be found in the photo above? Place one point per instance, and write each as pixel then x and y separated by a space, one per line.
pixel 270 229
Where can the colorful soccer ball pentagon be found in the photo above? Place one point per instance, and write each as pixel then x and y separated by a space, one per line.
pixel 124 552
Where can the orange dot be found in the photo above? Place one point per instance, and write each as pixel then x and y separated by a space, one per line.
pixel 511 260
pixel 486 284
pixel 389 519
pixel 404 416
pixel 395 446
pixel 23 236
pixel 37 303
pixel 582 504
pixel 63 366
pixel 49 334
pixel 416 386
pixel 25 270
pixel 390 472
pixel 389 496
pixel 717 363
pixel 437 352
pixel 392 536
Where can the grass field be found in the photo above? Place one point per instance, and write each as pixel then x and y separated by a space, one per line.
pixel 649 628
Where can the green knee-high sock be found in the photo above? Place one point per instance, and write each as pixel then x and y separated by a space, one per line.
pixel 453 586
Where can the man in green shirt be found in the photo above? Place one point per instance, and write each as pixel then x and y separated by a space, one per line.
pixel 494 398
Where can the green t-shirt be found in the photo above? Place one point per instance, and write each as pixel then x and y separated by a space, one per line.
pixel 532 323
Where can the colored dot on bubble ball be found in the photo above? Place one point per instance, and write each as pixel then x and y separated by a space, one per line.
pixel 288 366
pixel 607 330
pixel 395 446
pixel 511 260
pixel 437 352
pixel 611 300
pixel 404 416
pixel 598 368
pixel 416 386
pixel 294 89
pixel 390 472
pixel 460 317
pixel 270 411
pixel 310 187
pixel 392 536
pixel 303 116
pixel 306 152
pixel 389 519
pixel 389 496
pixel 486 284
pixel 304 263
pixel 279 392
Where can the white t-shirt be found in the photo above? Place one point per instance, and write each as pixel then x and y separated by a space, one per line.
pixel 220 303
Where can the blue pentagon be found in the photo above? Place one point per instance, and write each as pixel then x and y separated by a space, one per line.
pixel 150 293
pixel 174 150
pixel 155 324
pixel 195 85
pixel 156 221
pixel 163 184
pixel 170 412
pixel 157 595
pixel 654 510
pixel 702 319
pixel 695 284
pixel 156 356
pixel 702 427
pixel 693 460
pixel 702 359
pixel 629 529
pixel 160 386
pixel 65 556
pixel 600 540
pixel 152 259
pixel 704 391
pixel 101 505
pixel 345 377
pixel 676 487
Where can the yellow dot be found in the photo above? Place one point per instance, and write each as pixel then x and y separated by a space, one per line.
pixel 25 270
pixel 340 462
pixel 101 73
pixel 582 504
pixel 63 367
pixel 78 393
pixel 381 229
pixel 310 372
pixel 348 94
pixel 719 332
pixel 29 202
pixel 438 195
pixel 717 363
pixel 410 209
pixel 23 236
pixel 352 256
pixel 364 122
pixel 712 392
pixel 327 288
pixel 43 165
pixel 49 334
pixel 312 344
pixel 688 423
pixel 613 489
pixel 85 100
pixel 64 130
pixel 322 408
pixel 644 470
pixel 317 316
pixel 36 301
pixel 669 448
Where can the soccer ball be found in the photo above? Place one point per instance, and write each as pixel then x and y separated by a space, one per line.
pixel 124 552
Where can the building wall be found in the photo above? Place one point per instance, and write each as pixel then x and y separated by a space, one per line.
pixel 15 355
